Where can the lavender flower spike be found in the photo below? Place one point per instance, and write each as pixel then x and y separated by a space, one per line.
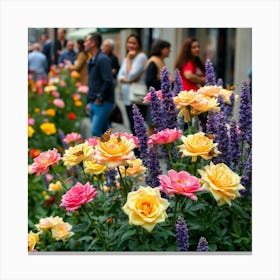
pixel 245 113
pixel 202 245
pixel 140 130
pixel 210 78
pixel 169 109
pixel 153 167
pixel 177 82
pixel 156 111
pixel 182 235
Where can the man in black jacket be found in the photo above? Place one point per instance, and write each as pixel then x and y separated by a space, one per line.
pixel 100 83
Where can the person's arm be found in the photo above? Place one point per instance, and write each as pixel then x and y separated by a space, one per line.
pixel 107 77
pixel 194 78
pixel 79 62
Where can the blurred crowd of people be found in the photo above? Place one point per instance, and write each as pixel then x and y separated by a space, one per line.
pixel 100 69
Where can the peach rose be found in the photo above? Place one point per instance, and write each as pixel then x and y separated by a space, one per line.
pixel 48 223
pixel 115 152
pixel 46 159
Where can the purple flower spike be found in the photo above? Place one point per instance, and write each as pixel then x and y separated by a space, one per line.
pixel 140 130
pixel 177 82
pixel 210 78
pixel 182 235
pixel 202 245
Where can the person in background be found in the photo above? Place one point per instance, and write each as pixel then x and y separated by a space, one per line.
pixel 108 48
pixel 46 48
pixel 191 68
pixel 37 63
pixel 59 45
pixel 69 54
pixel 159 51
pixel 80 64
pixel 132 70
pixel 100 95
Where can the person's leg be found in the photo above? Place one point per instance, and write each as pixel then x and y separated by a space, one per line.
pixel 100 114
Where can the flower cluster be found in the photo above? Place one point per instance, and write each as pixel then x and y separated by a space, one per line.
pixel 187 187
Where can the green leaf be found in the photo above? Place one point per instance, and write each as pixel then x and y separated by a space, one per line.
pixel 81 227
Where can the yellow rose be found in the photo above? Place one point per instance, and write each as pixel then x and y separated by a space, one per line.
pixel 198 145
pixel 91 167
pixel 222 182
pixel 50 112
pixel 37 110
pixel 135 167
pixel 49 222
pixel 50 88
pixel 75 74
pixel 31 131
pixel 78 103
pixel 54 187
pixel 114 152
pixel 48 128
pixel 33 238
pixel 75 155
pixel 205 104
pixel 210 91
pixel 62 231
pixel 185 98
pixel 145 207
pixel 225 94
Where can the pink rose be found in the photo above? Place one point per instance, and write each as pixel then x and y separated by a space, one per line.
pixel 55 94
pixel 147 98
pixel 92 141
pixel 180 183
pixel 83 89
pixel 59 103
pixel 42 162
pixel 165 136
pixel 77 196
pixel 128 136
pixel 72 137
pixel 31 121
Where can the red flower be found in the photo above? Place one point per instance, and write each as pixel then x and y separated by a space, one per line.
pixel 34 153
pixel 71 116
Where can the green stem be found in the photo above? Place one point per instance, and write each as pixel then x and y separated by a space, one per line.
pixel 58 178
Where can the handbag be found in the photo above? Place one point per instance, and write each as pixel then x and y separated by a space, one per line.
pixel 116 115
pixel 137 92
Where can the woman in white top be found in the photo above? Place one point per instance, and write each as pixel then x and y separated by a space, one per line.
pixel 132 71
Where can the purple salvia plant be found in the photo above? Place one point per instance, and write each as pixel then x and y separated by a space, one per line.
pixel 140 130
pixel 168 105
pixel 177 82
pixel 220 82
pixel 202 245
pixel 156 111
pixel 182 234
pixel 211 124
pixel 245 113
pixel 111 177
pixel 61 136
pixel 221 137
pixel 234 145
pixel 153 167
pixel 221 103
pixel 210 78
pixel 246 179
pixel 228 109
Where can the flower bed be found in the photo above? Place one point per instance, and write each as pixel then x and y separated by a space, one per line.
pixel 189 190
